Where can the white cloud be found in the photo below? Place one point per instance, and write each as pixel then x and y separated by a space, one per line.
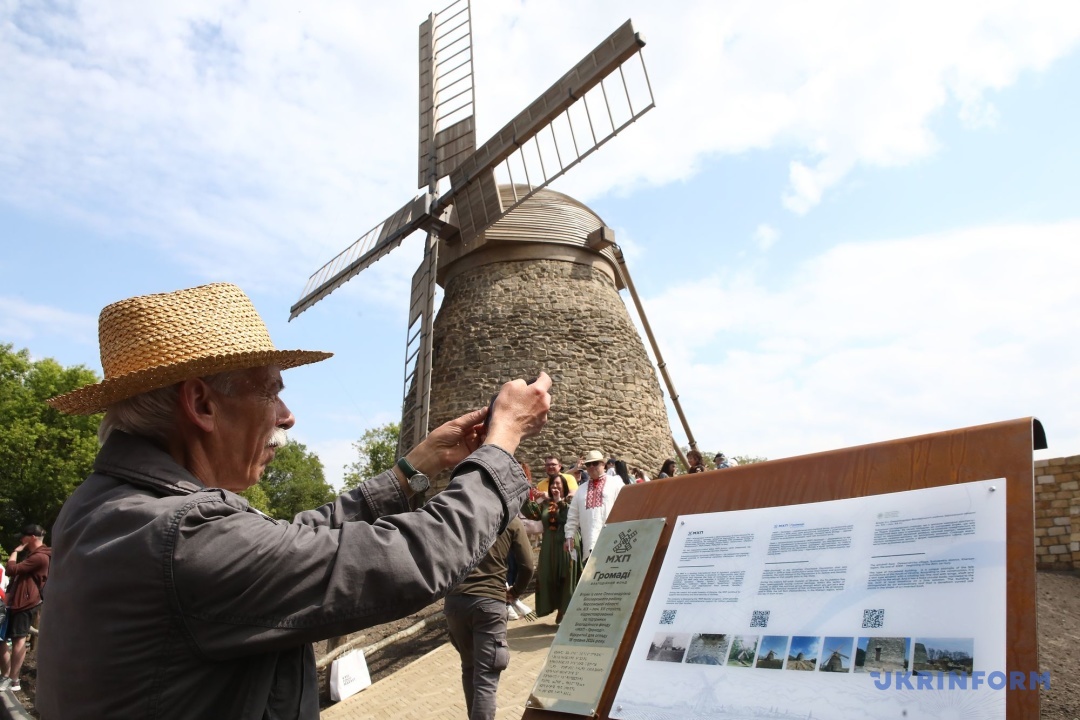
pixel 841 84
pixel 263 138
pixel 229 135
pixel 880 340
pixel 23 321
pixel 766 236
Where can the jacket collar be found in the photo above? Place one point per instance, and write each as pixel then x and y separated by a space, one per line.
pixel 140 462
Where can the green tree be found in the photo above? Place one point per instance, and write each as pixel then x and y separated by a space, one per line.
pixel 256 497
pixel 707 457
pixel 377 450
pixel 44 454
pixel 293 482
pixel 748 459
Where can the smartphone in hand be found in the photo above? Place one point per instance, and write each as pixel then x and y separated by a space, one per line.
pixel 491 408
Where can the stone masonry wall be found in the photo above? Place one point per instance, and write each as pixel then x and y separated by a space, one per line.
pixel 1057 513
pixel 512 319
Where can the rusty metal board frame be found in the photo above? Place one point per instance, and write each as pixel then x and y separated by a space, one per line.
pixel 976 453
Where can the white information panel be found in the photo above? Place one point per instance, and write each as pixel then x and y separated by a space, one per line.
pixel 888 606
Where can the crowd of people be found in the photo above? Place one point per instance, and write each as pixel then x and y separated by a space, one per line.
pixel 167 578
pixel 563 518
pixel 564 527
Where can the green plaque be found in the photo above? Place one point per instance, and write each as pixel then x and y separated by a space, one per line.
pixel 580 658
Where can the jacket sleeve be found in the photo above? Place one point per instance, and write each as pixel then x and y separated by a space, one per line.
pixel 243 583
pixel 381 495
pixel 523 553
pixel 34 563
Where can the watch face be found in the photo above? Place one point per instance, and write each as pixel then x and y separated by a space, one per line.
pixel 419 482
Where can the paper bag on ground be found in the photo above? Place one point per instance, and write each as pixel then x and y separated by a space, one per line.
pixel 348 675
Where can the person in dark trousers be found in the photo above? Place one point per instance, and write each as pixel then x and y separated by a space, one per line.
pixel 476 618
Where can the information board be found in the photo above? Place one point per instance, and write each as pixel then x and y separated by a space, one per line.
pixel 852 608
pixel 585 644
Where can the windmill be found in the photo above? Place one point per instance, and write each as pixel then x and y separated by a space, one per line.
pixel 497 210
pixel 835 663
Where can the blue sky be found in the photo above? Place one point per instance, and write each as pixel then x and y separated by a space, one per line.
pixel 848 222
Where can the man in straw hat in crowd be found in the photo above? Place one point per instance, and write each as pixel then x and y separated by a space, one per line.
pixel 590 507
pixel 169 596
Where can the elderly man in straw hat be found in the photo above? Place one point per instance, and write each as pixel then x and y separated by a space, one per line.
pixel 171 597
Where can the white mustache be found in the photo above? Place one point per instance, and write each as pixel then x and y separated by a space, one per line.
pixel 277 438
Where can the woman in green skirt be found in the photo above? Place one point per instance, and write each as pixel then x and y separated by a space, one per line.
pixel 557 572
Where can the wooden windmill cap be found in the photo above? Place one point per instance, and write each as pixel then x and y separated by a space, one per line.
pixel 153 341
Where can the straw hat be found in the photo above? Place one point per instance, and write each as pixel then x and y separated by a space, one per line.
pixel 153 341
pixel 594 456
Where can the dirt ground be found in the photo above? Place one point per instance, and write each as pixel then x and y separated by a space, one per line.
pixel 1059 647
pixel 1059 644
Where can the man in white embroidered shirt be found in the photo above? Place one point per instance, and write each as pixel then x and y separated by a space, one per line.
pixel 591 505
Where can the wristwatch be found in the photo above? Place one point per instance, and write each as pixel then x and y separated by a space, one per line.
pixel 418 481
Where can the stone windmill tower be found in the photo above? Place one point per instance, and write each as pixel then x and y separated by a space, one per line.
pixel 531 276
pixel 834 660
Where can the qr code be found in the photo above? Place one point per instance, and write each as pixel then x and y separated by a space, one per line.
pixel 667 617
pixel 760 618
pixel 873 618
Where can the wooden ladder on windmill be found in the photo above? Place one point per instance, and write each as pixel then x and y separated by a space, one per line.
pixel 590 104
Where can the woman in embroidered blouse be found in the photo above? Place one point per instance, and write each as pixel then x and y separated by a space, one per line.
pixel 557 572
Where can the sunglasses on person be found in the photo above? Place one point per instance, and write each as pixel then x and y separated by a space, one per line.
pixel 594 462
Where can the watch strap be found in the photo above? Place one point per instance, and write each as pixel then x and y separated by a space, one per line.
pixel 407 468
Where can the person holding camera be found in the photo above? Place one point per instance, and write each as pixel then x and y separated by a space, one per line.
pixel 170 596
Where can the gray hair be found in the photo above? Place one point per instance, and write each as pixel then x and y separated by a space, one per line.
pixel 152 414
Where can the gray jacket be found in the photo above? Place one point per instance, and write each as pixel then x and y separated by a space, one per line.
pixel 171 600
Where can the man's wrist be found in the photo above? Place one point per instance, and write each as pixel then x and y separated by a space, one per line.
pixel 504 440
pixel 402 481
pixel 424 461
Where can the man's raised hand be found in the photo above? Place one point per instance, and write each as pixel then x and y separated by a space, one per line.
pixel 519 411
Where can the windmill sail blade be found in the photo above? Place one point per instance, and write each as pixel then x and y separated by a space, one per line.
pixel 453 145
pixel 557 131
pixel 447 93
pixel 478 205
pixel 371 246
pixel 418 349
